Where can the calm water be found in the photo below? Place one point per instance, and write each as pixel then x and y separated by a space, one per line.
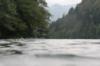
pixel 49 52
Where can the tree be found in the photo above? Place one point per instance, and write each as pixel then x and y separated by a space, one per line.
pixel 21 18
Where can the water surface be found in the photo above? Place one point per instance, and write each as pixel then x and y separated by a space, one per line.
pixel 49 52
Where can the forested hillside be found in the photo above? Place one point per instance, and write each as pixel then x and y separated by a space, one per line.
pixel 81 22
pixel 23 18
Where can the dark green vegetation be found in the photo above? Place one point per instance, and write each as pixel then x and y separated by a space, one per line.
pixel 23 18
pixel 81 22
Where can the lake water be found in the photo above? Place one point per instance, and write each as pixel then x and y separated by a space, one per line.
pixel 50 52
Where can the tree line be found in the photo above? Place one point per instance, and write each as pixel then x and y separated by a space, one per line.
pixel 81 22
pixel 23 18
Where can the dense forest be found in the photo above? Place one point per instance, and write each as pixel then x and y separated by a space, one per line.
pixel 23 18
pixel 81 22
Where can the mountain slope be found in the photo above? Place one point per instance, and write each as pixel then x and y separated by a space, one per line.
pixel 58 10
pixel 81 22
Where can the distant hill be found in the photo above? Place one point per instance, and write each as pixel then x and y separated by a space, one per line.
pixel 58 10
pixel 81 22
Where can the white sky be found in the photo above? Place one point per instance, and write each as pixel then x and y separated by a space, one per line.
pixel 63 2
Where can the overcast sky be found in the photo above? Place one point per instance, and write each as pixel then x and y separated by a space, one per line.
pixel 62 2
pixel 57 8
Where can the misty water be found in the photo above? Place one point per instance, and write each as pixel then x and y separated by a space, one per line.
pixel 49 52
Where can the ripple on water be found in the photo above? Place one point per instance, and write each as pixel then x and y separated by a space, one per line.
pixel 51 51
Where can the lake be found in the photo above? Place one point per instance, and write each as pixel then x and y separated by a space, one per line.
pixel 50 52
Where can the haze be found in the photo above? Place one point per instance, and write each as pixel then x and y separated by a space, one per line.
pixel 63 2
pixel 59 7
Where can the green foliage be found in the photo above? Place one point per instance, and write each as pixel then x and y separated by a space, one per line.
pixel 23 18
pixel 81 22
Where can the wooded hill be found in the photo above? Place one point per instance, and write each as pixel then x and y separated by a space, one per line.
pixel 81 22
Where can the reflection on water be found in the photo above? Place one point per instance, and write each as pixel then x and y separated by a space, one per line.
pixel 49 52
